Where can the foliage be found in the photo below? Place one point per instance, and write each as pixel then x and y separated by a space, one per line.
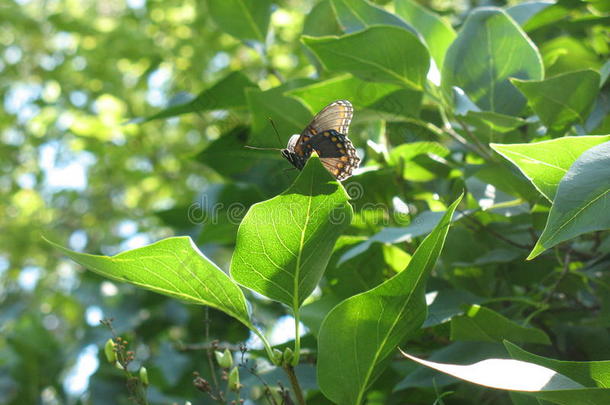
pixel 474 236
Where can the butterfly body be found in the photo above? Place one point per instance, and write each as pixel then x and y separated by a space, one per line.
pixel 327 136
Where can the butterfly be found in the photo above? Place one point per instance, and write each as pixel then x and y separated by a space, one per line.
pixel 326 134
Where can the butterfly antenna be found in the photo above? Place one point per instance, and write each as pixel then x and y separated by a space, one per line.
pixel 275 129
pixel 257 148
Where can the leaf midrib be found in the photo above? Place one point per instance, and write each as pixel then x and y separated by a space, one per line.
pixel 295 299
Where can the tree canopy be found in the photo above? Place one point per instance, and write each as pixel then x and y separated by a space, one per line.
pixel 153 252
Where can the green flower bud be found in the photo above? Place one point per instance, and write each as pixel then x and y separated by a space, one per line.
pixel 277 357
pixel 144 376
pixel 224 359
pixel 288 355
pixel 234 384
pixel 119 365
pixel 109 351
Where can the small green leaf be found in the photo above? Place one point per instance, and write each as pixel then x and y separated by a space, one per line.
pixel 491 48
pixel 485 325
pixel 363 331
pixel 490 125
pixel 283 244
pixel 411 157
pixel 173 267
pixel 226 93
pixel 562 100
pixel 244 19
pixel 582 200
pixel 356 15
pixel 397 57
pixel 545 163
pixel 437 32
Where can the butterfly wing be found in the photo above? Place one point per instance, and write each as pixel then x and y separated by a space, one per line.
pixel 336 153
pixel 336 116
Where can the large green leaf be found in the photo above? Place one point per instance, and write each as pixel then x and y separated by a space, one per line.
pixel 595 375
pixel 491 48
pixel 283 244
pixel 562 100
pixel 359 92
pixel 228 92
pixel 485 325
pixel 437 32
pixel 396 57
pixel 545 163
pixel 173 267
pixel 582 200
pixel 322 20
pixel 356 15
pixel 587 373
pixel 523 12
pixel 244 19
pixel 539 381
pixel 363 331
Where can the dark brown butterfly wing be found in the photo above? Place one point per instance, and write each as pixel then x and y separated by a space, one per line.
pixel 335 116
pixel 336 152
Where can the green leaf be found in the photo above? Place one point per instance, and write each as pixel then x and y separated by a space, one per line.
pixel 226 93
pixel 356 15
pixel 416 160
pixel 455 352
pixel 283 244
pixel 289 115
pixel 172 267
pixel 563 100
pixel 514 375
pixel 363 272
pixel 220 209
pixel 567 54
pixel 595 375
pixel 244 19
pixel 545 163
pixel 491 48
pixel 582 200
pixel 363 331
pixel 322 20
pixel 359 92
pixel 587 373
pixel 437 32
pixel 489 124
pixel 397 57
pixel 485 325
pixel 523 12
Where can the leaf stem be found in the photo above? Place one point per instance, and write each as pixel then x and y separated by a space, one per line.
pixel 296 387
pixel 264 340
pixel 297 338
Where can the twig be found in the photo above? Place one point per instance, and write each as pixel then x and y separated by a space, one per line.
pixel 482 148
pixel 496 234
pixel 209 354
pixel 296 387
pixel 564 272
